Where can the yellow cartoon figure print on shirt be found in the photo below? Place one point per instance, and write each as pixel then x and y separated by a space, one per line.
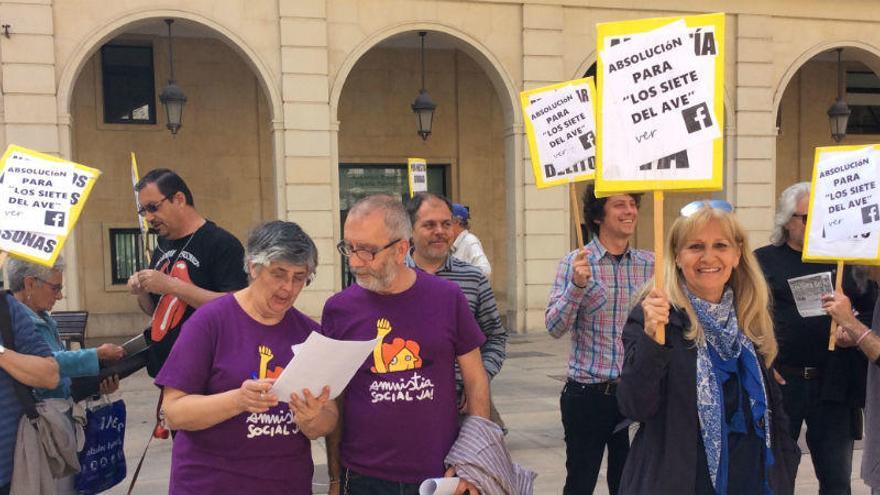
pixel 399 355
pixel 266 356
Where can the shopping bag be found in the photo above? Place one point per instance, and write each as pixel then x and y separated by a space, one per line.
pixel 102 459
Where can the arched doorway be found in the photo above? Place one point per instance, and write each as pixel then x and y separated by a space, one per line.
pixel 810 87
pixel 471 155
pixel 225 150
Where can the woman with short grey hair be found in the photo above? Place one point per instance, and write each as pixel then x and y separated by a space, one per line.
pixel 218 377
pixel 38 288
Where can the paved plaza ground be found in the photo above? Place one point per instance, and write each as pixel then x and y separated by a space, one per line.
pixel 526 392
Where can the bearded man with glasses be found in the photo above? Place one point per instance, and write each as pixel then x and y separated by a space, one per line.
pixel 825 390
pixel 398 415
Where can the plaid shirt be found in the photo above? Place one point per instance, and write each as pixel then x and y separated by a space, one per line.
pixel 595 315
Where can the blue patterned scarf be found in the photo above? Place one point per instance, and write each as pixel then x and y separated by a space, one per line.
pixel 727 352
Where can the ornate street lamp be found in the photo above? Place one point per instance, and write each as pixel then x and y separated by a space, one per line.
pixel 424 106
pixel 172 96
pixel 839 112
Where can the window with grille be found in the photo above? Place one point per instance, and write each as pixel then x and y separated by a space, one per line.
pixel 863 98
pixel 127 253
pixel 129 84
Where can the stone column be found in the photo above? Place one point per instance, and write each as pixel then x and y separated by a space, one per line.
pixel 30 106
pixel 754 189
pixel 311 199
pixel 547 225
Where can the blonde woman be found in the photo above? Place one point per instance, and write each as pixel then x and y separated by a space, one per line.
pixel 711 420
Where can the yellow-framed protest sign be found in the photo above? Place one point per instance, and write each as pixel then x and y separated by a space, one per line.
pixel 660 106
pixel 41 198
pixel 560 124
pixel 417 175
pixel 843 220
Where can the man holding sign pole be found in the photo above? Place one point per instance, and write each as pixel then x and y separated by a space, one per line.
pixel 824 389
pixel 590 299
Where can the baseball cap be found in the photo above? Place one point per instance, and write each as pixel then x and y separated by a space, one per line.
pixel 459 211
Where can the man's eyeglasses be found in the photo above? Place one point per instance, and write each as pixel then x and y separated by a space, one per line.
pixel 152 207
pixel 56 288
pixel 695 206
pixel 802 217
pixel 364 254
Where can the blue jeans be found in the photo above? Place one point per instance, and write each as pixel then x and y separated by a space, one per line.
pixel 358 484
pixel 829 432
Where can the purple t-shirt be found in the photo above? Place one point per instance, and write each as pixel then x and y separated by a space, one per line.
pixel 400 416
pixel 219 347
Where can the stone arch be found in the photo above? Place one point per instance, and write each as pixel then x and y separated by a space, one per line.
pixel 105 32
pixel 805 56
pixel 504 84
pixel 507 91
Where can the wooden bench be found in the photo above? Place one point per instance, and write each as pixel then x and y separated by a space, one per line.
pixel 72 327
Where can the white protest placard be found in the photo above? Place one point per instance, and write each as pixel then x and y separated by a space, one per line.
pixel 660 112
pixel 807 292
pixel 46 189
pixel 417 171
pixel 561 130
pixel 321 361
pixel 843 222
pixel 40 193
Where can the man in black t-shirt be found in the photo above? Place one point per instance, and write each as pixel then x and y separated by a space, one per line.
pixel 824 389
pixel 195 261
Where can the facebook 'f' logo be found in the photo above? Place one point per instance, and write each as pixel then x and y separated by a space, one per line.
pixel 870 214
pixel 54 218
pixel 696 118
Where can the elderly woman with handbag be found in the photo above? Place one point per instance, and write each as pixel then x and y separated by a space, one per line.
pixel 38 288
pixel 711 417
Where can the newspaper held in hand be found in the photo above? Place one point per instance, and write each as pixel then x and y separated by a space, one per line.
pixel 321 361
pixel 807 292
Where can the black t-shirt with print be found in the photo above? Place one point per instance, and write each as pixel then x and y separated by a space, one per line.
pixel 804 341
pixel 210 258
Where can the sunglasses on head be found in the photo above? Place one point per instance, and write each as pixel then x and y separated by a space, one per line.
pixel 695 206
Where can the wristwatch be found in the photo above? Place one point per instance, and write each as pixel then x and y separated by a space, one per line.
pixel 2 349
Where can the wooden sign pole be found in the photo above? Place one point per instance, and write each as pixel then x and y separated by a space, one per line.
pixel 577 214
pixel 838 289
pixel 660 331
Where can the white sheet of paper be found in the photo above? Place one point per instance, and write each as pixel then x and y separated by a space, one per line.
pixel 807 292
pixel 438 486
pixel 321 361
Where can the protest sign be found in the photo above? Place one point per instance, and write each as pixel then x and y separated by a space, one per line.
pixel 417 172
pixel 561 129
pixel 41 198
pixel 660 107
pixel 843 223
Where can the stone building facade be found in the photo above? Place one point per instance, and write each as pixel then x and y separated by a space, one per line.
pixel 296 107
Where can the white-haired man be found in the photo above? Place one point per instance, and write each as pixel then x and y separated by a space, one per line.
pixel 824 389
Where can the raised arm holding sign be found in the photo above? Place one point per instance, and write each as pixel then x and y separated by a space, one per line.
pixel 660 110
pixel 844 211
